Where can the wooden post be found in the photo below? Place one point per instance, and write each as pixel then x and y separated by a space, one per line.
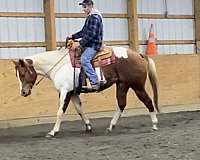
pixel 133 24
pixel 197 23
pixel 50 31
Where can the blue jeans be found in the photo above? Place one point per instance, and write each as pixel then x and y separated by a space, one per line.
pixel 86 59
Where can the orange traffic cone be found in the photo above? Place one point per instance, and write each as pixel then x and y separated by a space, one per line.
pixel 151 49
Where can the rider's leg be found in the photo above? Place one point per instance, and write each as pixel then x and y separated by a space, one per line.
pixel 86 59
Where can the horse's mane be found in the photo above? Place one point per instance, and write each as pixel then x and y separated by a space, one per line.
pixel 49 56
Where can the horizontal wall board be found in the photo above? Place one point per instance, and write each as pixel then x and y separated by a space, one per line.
pixel 22 14
pixel 80 15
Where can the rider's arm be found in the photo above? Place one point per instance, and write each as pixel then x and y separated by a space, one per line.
pixel 90 31
pixel 77 35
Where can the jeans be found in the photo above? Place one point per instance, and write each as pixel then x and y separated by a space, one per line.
pixel 86 59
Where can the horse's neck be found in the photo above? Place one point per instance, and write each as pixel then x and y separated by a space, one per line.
pixel 48 63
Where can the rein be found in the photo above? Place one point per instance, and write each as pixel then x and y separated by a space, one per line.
pixel 50 69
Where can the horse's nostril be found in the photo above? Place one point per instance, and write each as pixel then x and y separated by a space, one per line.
pixel 23 92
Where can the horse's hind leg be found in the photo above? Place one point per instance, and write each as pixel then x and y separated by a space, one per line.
pixel 121 94
pixel 144 97
pixel 77 103
pixel 64 102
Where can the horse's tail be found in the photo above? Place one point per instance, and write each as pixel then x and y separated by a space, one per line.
pixel 153 79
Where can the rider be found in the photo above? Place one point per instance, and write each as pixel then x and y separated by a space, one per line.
pixel 91 40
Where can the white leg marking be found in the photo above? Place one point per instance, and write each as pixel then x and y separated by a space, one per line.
pixel 154 120
pixel 77 103
pixel 115 119
pixel 60 113
pixel 20 83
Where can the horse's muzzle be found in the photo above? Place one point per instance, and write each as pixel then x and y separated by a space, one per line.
pixel 25 93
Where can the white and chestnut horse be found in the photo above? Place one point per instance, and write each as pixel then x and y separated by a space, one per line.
pixel 129 71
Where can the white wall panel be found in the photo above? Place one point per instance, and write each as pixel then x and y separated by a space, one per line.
pixel 12 53
pixel 150 6
pixel 67 26
pixel 167 29
pixel 180 7
pixel 21 5
pixel 105 6
pixel 114 29
pixel 21 29
pixel 172 49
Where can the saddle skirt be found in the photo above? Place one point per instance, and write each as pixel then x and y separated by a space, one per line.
pixel 104 57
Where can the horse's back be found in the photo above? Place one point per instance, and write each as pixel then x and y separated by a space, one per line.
pixel 130 67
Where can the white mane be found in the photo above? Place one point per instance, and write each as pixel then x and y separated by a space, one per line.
pixel 49 57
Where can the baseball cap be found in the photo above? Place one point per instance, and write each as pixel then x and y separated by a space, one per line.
pixel 86 2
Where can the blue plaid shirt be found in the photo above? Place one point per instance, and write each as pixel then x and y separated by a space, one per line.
pixel 91 33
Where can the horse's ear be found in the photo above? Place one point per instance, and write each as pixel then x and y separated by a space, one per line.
pixel 29 62
pixel 21 62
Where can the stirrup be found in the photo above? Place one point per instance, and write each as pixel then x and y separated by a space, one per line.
pixel 96 87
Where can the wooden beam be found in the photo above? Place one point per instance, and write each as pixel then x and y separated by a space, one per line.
pixel 133 24
pixel 22 44
pixel 170 42
pixel 113 43
pixel 197 24
pixel 80 15
pixel 50 29
pixel 109 43
pixel 22 14
pixel 161 16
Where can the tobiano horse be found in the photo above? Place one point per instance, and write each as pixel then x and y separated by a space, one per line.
pixel 130 70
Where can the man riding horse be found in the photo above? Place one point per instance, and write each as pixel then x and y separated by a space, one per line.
pixel 128 71
pixel 91 40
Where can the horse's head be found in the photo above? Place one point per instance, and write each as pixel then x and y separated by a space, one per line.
pixel 26 75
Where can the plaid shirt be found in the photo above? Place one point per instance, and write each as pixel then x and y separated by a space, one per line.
pixel 91 33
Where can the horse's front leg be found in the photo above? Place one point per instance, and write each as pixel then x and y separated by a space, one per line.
pixel 65 97
pixel 77 103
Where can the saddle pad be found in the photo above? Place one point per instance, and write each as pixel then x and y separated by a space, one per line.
pixel 104 57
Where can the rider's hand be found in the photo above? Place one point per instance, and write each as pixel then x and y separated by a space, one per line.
pixel 75 45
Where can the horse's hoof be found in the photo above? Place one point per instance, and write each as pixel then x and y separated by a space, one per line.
pixel 155 128
pixel 51 134
pixel 88 128
pixel 108 131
